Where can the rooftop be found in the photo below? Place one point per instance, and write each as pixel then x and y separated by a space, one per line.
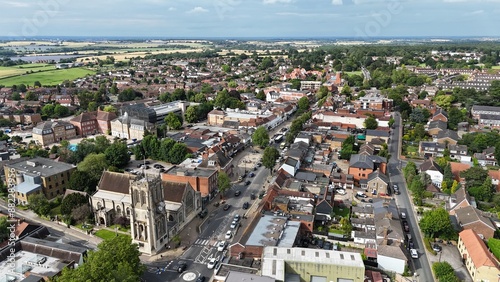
pixel 274 230
pixel 39 166
pixel 176 170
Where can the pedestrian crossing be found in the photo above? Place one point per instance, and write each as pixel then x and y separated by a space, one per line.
pixel 202 242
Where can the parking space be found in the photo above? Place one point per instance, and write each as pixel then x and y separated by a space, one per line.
pixel 450 254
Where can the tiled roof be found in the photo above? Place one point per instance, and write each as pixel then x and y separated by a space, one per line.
pixel 468 215
pixel 83 117
pixel 174 191
pixel 115 182
pixel 477 249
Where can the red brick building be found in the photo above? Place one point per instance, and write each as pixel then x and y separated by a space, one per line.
pixel 85 123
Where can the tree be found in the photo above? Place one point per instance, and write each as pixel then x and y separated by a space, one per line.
pixel 48 110
pixel 110 109
pixel 260 137
pixel 346 226
pixel 419 131
pixel 16 96
pixel 173 121
pixel 391 121
pixel 455 116
pixel 191 114
pixel 436 223
pixel 454 187
pixel 115 260
pixel 224 182
pixel 483 192
pixel 60 111
pixel 72 201
pixel 37 84
pixel 261 95
pixel 370 122
pixel 269 157
pixel 39 204
pixel 92 107
pixel 81 181
pixel 474 176
pixel 129 94
pixel 303 104
pixel 178 153
pixel 94 164
pixel 81 213
pixel 30 96
pixel 418 115
pixel 4 231
pixel 117 154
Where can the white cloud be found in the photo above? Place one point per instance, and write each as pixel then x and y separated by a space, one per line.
pixel 16 4
pixel 196 10
pixel 276 1
pixel 337 2
pixel 477 12
pixel 172 9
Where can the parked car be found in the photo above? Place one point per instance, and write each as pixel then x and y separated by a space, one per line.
pixel 211 263
pixel 327 246
pixel 414 253
pixel 233 225
pixel 403 215
pixel 340 191
pixel 226 207
pixel 247 182
pixel 251 174
pixel 200 279
pixel 236 217
pixel 406 226
pixel 246 205
pixel 229 234
pixel 221 246
pixel 436 248
pixel 252 196
pixel 181 266
pixel 237 193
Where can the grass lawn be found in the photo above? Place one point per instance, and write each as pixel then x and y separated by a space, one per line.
pixel 494 245
pixel 52 77
pixel 121 228
pixel 495 67
pixel 22 69
pixel 55 211
pixel 343 212
pixel 106 234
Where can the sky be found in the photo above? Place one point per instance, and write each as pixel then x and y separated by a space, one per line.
pixel 362 19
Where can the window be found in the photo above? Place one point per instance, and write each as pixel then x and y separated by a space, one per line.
pixel 341 256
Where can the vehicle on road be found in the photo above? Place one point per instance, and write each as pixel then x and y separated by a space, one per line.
pixel 403 215
pixel 252 196
pixel 229 234
pixel 406 226
pixel 226 207
pixel 236 217
pixel 211 263
pixel 246 205
pixel 414 253
pixel 247 182
pixel 237 193
pixel 221 246
pixel 240 178
pixel 203 213
pixel 251 174
pixel 181 266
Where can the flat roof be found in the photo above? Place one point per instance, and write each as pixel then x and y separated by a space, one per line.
pixel 46 167
pixel 191 172
pixel 26 187
pixel 27 262
pixel 274 230
pixel 113 196
pixel 316 256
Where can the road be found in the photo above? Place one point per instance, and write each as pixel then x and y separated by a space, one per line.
pixel 421 265
pixel 217 224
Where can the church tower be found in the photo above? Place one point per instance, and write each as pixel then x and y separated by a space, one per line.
pixel 148 220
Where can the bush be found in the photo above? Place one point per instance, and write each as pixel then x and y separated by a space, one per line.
pixel 494 245
pixel 444 272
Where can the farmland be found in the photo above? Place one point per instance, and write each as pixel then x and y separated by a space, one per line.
pixel 50 77
pixel 24 69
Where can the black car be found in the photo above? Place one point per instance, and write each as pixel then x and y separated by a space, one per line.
pixel 247 182
pixel 200 279
pixel 252 196
pixel 226 207
pixel 251 174
pixel 181 266
pixel 246 205
pixel 237 193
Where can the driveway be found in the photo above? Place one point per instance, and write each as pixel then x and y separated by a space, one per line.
pixel 451 255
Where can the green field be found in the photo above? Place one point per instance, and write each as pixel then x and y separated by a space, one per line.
pixel 22 69
pixel 52 77
pixel 354 72
pixel 106 234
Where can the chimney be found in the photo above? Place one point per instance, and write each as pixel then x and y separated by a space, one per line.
pixel 204 156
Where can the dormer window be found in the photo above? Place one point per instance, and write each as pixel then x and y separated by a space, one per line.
pixel 211 163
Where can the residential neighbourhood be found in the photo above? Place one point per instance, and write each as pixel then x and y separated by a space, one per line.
pixel 255 168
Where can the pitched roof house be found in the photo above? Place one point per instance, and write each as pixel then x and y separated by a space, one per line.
pixel 478 260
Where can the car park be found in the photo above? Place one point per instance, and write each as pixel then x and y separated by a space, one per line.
pixel 246 205
pixel 211 263
pixel 414 253
pixel 228 235
pixel 226 207
pixel 221 246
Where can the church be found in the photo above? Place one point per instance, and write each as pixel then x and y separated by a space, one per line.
pixel 157 209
